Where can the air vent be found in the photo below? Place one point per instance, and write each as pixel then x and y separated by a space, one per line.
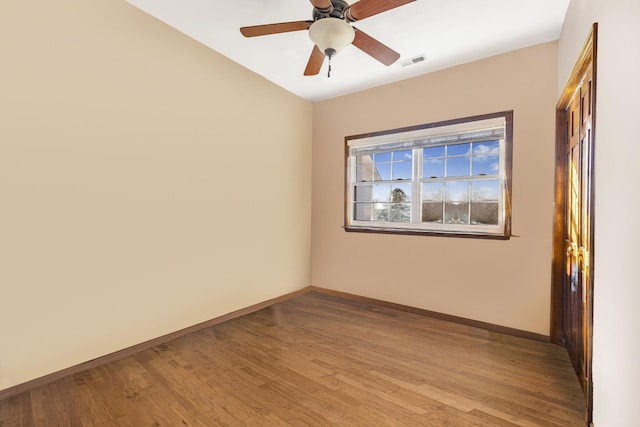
pixel 411 61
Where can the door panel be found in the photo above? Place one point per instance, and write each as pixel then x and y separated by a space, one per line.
pixel 573 227
pixel 586 226
pixel 578 229
pixel 573 289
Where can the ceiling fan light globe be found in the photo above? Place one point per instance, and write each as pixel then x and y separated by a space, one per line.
pixel 331 33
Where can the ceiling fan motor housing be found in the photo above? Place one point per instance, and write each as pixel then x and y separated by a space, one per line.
pixel 338 11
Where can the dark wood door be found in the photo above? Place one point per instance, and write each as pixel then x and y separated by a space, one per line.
pixel 578 228
pixel 573 230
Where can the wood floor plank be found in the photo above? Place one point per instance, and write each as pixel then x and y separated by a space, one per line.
pixel 319 360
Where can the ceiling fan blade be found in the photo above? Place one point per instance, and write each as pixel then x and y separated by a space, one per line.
pixel 282 27
pixel 315 62
pixel 366 8
pixel 322 5
pixel 374 48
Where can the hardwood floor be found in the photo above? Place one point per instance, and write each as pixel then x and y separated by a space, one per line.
pixel 319 360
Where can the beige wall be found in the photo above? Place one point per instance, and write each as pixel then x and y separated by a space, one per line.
pixel 146 184
pixel 616 341
pixel 500 282
pixel 121 218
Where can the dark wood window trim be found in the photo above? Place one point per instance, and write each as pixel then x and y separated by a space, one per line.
pixel 505 231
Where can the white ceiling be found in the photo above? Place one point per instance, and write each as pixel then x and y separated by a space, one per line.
pixel 446 32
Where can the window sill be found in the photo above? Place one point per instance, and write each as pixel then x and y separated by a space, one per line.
pixel 433 233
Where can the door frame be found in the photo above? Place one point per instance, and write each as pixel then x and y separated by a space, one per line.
pixel 586 59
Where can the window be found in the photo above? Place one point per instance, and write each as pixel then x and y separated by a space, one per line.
pixel 447 178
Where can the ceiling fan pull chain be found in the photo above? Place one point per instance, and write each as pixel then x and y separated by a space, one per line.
pixel 329 53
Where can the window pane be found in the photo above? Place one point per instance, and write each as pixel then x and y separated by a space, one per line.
pixel 485 164
pixel 433 152
pixel 401 193
pixel 457 191
pixel 364 173
pixel 362 193
pixel 362 212
pixel 458 149
pixel 382 172
pixel 484 213
pixel 433 191
pixel 484 202
pixel 458 166
pixel 404 155
pixel 433 168
pixel 456 209
pixel 364 159
pixel 432 206
pixel 486 147
pixel 485 190
pixel 381 192
pixel 456 213
pixel 402 170
pixel 400 212
pixel 382 157
pixel 381 212
pixel 432 212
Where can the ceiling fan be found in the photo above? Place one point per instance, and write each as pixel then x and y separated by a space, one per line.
pixel 331 30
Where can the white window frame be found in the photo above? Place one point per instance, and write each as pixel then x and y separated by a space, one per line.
pixel 488 127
